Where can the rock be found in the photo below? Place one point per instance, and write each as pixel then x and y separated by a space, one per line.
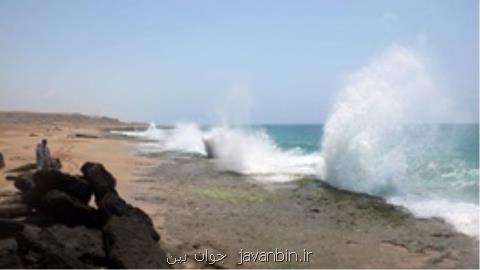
pixel 24 168
pixel 111 204
pixel 45 181
pixel 8 193
pixel 40 248
pixel 107 199
pixel 23 182
pixel 14 210
pixel 55 164
pixel 128 245
pixel 2 161
pixel 9 228
pixel 80 189
pixel 84 244
pixel 128 238
pixel 100 180
pixel 12 205
pixel 69 210
pixel 209 148
pixel 11 177
pixel 9 258
pixel 10 196
pixel 8 244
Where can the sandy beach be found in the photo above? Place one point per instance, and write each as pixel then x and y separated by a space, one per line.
pixel 21 132
pixel 197 208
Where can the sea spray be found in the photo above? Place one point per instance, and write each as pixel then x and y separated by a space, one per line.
pixel 375 140
pixel 235 108
pixel 151 133
pixel 250 151
pixel 244 150
pixel 362 144
pixel 185 137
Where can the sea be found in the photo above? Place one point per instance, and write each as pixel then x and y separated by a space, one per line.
pixel 382 137
pixel 431 170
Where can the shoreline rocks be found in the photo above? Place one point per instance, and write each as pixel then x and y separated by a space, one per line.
pixel 58 228
pixel 2 161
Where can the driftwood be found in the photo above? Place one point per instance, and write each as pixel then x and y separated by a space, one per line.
pixel 85 136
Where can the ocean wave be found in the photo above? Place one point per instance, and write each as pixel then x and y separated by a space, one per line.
pixel 372 143
pixel 462 215
pixel 244 151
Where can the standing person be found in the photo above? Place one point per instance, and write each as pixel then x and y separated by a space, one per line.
pixel 43 156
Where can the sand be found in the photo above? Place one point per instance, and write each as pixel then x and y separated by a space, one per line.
pixel 196 207
pixel 19 136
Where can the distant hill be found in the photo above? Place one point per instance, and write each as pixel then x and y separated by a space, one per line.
pixel 28 117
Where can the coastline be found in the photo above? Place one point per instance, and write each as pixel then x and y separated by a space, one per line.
pixel 199 208
pixel 195 207
pixel 71 140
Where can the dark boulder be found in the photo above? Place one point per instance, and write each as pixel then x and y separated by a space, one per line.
pixel 9 258
pixel 10 196
pixel 45 181
pixel 129 245
pixel 83 244
pixel 9 228
pixel 79 188
pixel 23 182
pixel 24 168
pixel 2 161
pixel 70 235
pixel 69 210
pixel 40 248
pixel 12 205
pixel 100 180
pixel 8 245
pixel 111 204
pixel 209 149
pixel 55 164
pixel 14 210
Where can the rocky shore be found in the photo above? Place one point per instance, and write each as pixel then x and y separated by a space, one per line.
pixel 197 207
pixel 50 222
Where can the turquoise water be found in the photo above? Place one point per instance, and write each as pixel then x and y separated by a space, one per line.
pixel 306 137
pixel 443 158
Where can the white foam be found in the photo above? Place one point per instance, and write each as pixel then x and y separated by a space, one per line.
pixel 253 152
pixel 242 151
pixel 362 143
pixel 367 148
pixel 151 133
pixel 185 137
pixel 463 216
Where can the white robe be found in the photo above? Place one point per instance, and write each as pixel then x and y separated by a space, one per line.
pixel 43 157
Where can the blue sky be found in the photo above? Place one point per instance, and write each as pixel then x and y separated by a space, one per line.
pixel 170 61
